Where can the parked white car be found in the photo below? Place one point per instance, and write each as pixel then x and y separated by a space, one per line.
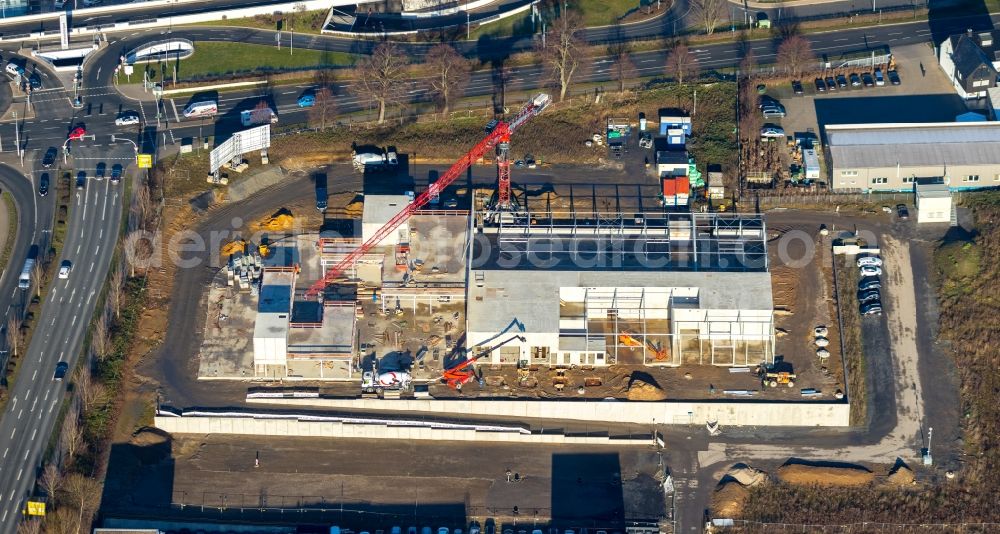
pixel 870 261
pixel 772 132
pixel 871 270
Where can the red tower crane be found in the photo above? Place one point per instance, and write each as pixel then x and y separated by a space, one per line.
pixel 500 134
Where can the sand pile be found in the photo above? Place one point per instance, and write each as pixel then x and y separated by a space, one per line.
pixel 643 390
pixel 803 474
pixel 728 500
pixel 900 476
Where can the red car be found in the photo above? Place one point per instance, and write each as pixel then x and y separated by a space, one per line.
pixel 77 133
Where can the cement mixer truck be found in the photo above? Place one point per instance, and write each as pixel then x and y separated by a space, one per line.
pixel 371 383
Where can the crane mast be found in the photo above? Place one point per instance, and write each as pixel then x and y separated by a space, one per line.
pixel 500 134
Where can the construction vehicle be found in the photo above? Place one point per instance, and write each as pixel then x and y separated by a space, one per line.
pixel 629 340
pixel 374 160
pixel 501 132
pixel 463 372
pixel 770 377
pixel 236 246
pixel 370 382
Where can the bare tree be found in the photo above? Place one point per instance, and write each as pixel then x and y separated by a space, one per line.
pixel 36 278
pixel 116 290
pixel 795 54
pixel 748 65
pixel 382 77
pixel 449 73
pixel 13 334
pixel 29 525
pixel 681 63
pixel 324 107
pixel 91 391
pixel 623 69
pixel 62 521
pixel 51 480
pixel 85 494
pixel 563 50
pixel 139 248
pixel 142 206
pixel 72 435
pixel 100 338
pixel 709 13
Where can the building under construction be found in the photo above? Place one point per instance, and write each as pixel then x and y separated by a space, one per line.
pixel 605 289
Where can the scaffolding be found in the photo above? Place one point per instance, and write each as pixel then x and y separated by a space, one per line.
pixel 693 241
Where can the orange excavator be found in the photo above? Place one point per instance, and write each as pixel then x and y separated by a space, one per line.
pixel 464 371
pixel 627 339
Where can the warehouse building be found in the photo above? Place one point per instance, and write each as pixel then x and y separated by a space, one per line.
pixel 653 289
pixel 895 157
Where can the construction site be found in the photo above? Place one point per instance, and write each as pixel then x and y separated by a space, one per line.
pixel 534 291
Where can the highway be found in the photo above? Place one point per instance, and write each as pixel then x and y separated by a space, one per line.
pixel 12 301
pixel 60 330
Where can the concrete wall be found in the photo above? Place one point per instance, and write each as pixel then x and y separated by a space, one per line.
pixel 746 413
pixel 247 426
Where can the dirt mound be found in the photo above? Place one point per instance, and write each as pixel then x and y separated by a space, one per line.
pixel 803 474
pixel 748 476
pixel 279 220
pixel 728 500
pixel 900 476
pixel 644 388
pixel 149 436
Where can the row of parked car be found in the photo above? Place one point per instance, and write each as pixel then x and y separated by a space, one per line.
pixel 857 81
pixel 870 285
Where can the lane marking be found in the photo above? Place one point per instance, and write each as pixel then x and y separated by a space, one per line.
pixel 19 473
pixel 6 451
pixel 33 432
pixel 174 105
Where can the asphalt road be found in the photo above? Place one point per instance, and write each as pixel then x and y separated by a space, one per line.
pixel 103 102
pixel 60 330
pixel 12 300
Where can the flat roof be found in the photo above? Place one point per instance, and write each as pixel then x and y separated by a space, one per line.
pixel 933 190
pixel 533 297
pixel 271 325
pixel 917 144
pixel 276 292
pixel 439 244
pixel 379 209
pixel 334 336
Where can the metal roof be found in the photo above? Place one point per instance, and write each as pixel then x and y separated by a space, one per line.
pixel 889 145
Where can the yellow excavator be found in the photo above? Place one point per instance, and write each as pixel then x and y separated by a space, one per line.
pixel 627 339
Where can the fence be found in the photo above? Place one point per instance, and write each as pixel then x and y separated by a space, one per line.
pixel 771 201
pixel 862 527
pixel 302 509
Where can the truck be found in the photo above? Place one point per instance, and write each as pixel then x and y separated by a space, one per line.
pixel 253 117
pixel 374 160
pixel 392 380
pixel 24 281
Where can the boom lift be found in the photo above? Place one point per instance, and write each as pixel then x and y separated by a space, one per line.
pixel 463 372
pixel 500 134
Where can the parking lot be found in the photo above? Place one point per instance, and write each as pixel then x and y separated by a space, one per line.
pixel 923 95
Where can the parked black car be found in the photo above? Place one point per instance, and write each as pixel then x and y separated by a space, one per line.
pixel 872 308
pixel 902 212
pixel 841 80
pixel 797 87
pixel 867 79
pixel 893 77
pixel 872 295
pixel 869 283
pixel 820 85
pixel 831 83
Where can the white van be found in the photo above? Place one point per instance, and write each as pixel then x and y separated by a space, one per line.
pixel 201 109
pixel 253 117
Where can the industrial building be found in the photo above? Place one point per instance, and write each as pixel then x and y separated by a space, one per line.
pixel 297 337
pixel 604 289
pixel 895 157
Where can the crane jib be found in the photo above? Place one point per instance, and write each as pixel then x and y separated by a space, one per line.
pixel 500 133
